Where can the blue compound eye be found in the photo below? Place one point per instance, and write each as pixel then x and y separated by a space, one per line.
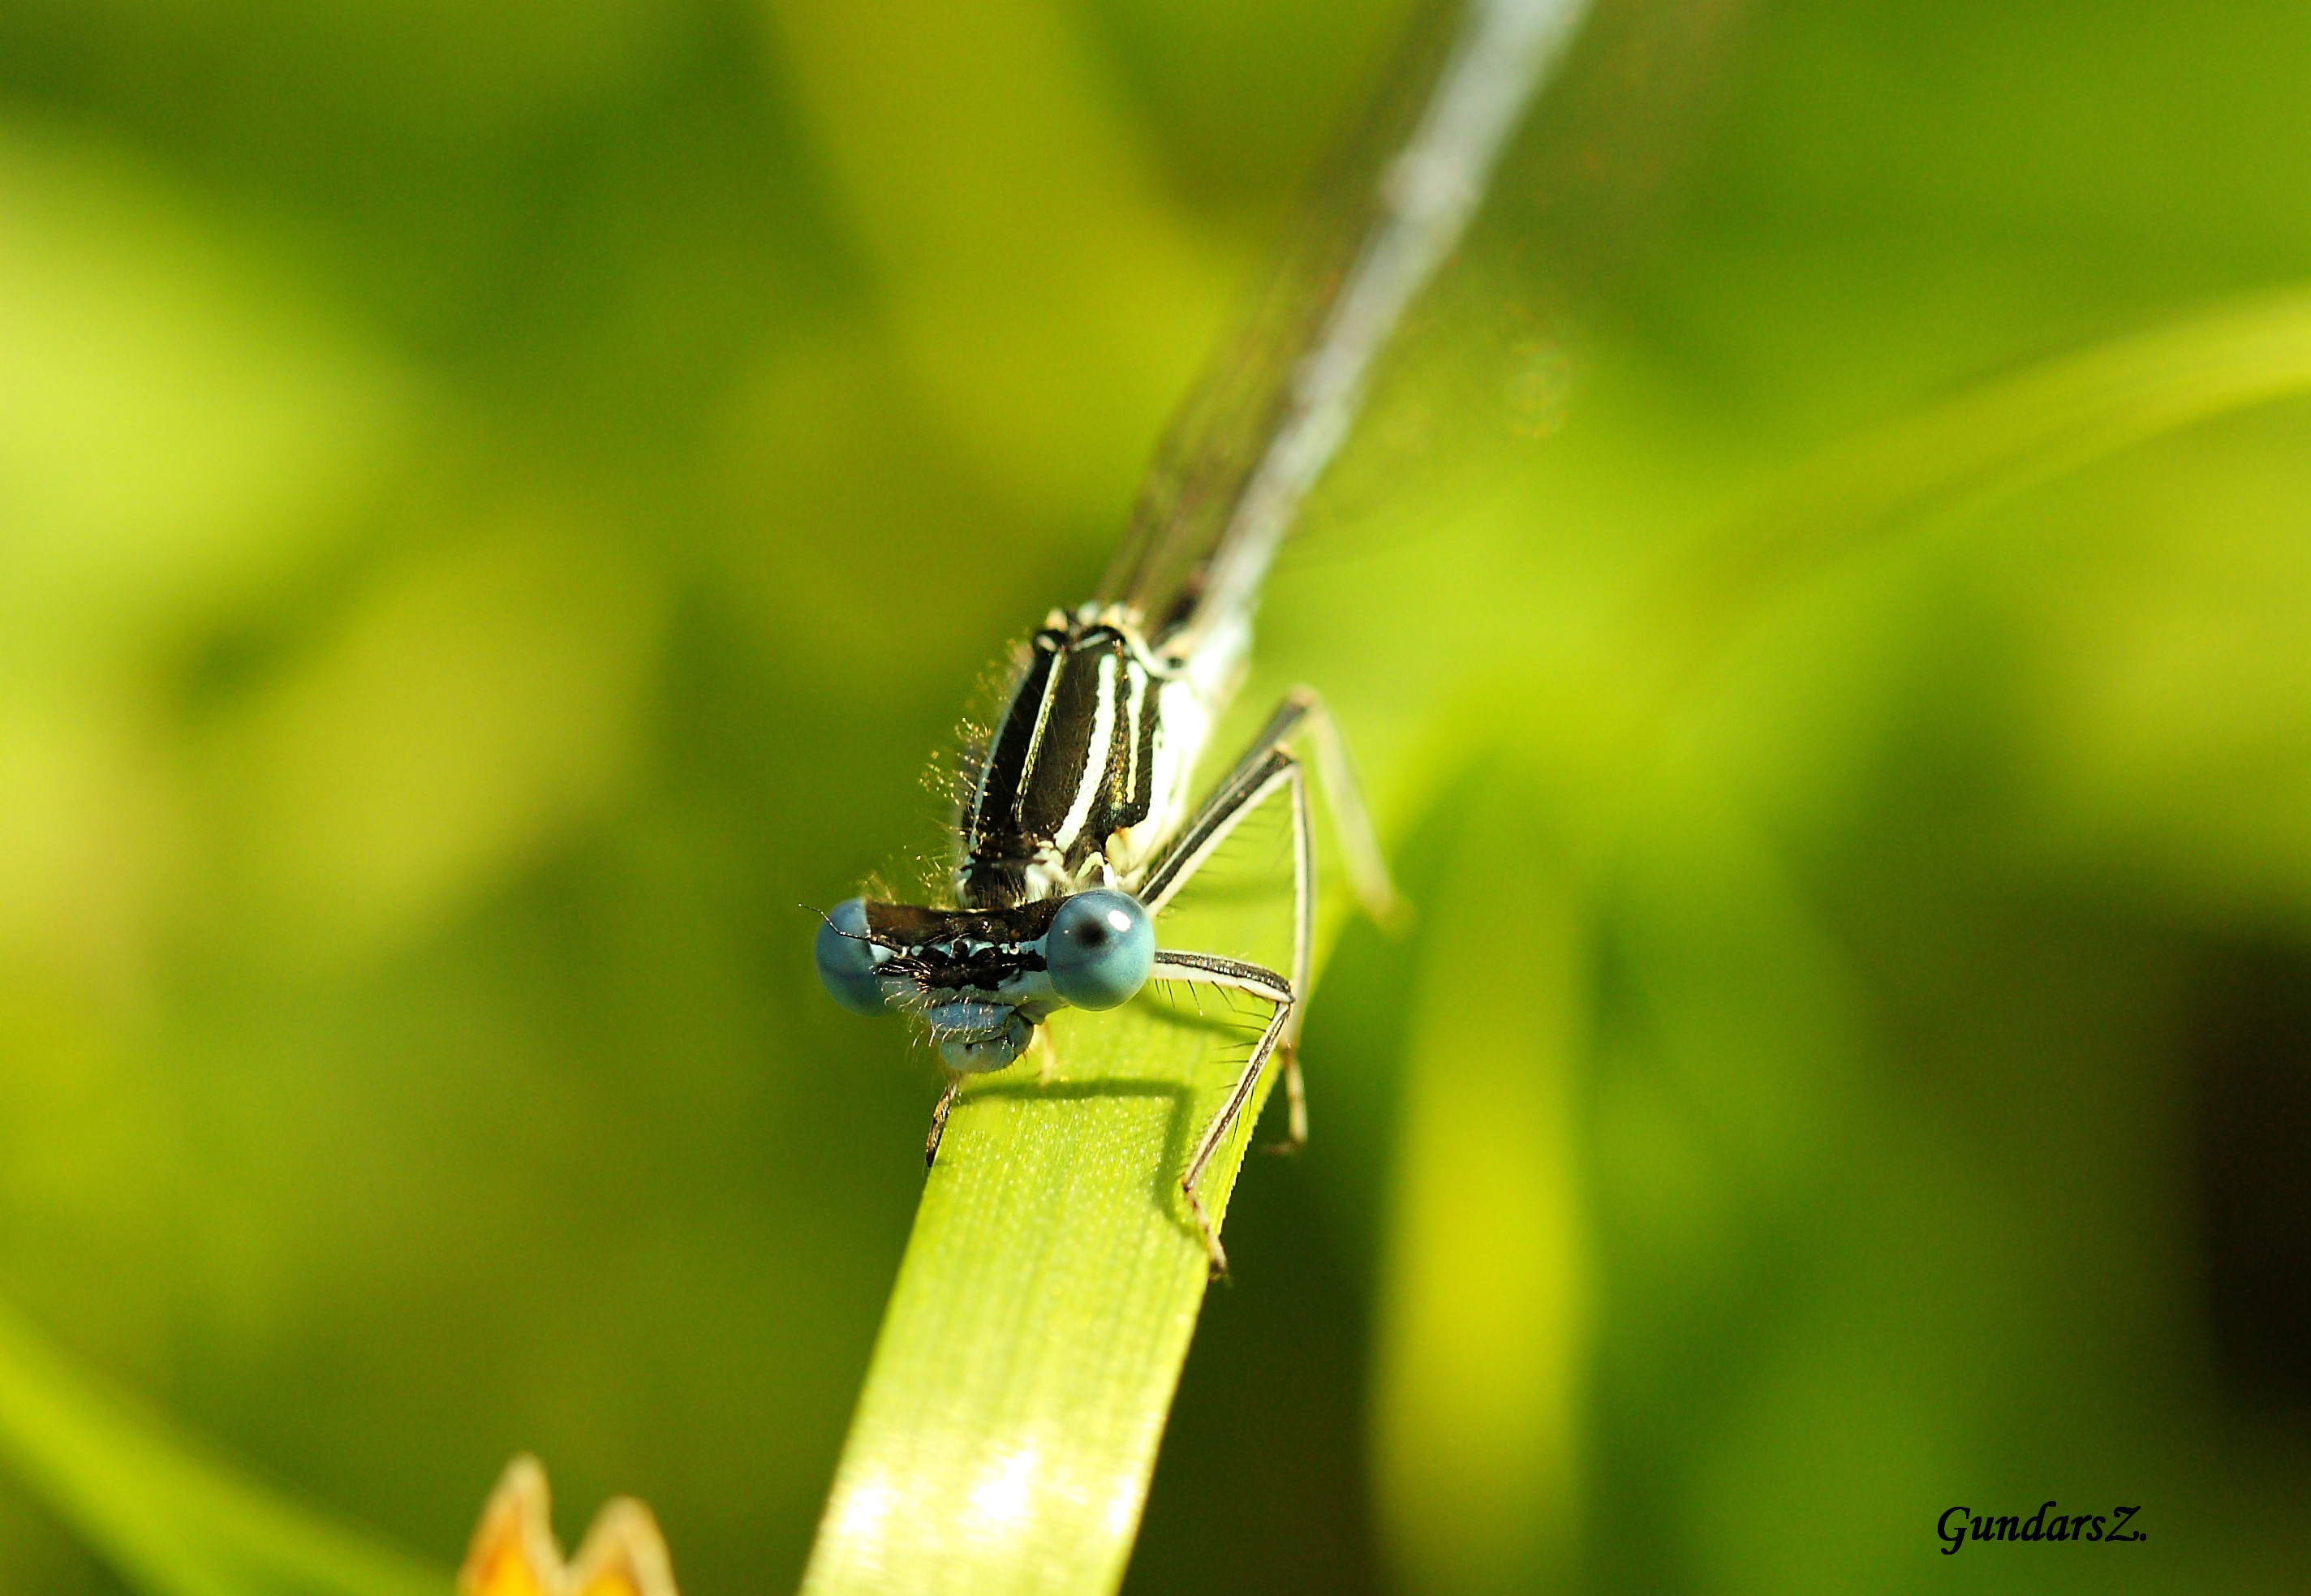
pixel 846 962
pixel 1099 949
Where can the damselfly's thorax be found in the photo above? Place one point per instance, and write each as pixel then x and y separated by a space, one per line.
pixel 1085 775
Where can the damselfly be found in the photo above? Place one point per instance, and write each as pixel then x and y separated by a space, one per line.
pixel 1079 828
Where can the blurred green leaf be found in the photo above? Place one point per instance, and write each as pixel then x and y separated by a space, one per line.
pixel 1486 1297
pixel 173 1522
pixel 481 701
pixel 1951 459
pixel 1048 302
pixel 178 430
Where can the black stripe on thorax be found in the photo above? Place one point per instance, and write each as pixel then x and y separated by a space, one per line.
pixel 1092 678
pixel 1007 751
pixel 1141 799
pixel 1042 757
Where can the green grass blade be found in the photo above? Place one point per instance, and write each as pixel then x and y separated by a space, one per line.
pixel 1010 1418
pixel 170 1519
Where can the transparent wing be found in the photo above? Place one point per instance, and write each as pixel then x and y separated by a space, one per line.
pixel 1269 414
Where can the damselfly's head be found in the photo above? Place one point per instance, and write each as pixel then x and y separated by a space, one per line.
pixel 984 979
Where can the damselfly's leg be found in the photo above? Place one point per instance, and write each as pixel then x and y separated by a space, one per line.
pixel 1267 764
pixel 1245 786
pixel 1344 796
pixel 938 1119
pixel 1046 1053
pixel 1207 970
pixel 1267 768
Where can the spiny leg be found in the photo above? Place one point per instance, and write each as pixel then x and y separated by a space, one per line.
pixel 938 1119
pixel 1242 788
pixel 1304 952
pixel 1344 796
pixel 1207 969
pixel 1268 767
pixel 1265 765
pixel 1249 786
pixel 1303 955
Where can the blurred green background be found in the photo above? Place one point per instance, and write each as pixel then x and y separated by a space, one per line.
pixel 498 502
